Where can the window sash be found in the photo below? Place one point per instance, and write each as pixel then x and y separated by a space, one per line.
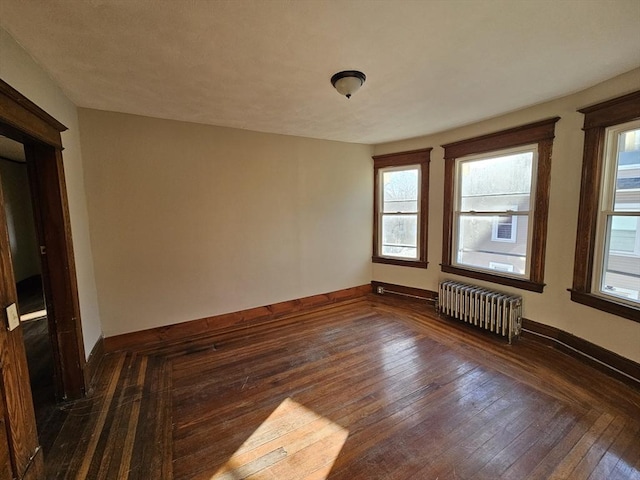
pixel 402 160
pixel 607 211
pixel 382 214
pixel 458 212
pixel 513 229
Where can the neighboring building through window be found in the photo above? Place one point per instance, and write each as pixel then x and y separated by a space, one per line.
pixel 401 195
pixel 617 259
pixel 607 261
pixel 489 189
pixel 496 205
pixel 505 227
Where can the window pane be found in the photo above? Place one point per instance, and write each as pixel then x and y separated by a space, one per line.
pixel 621 272
pixel 495 203
pixel 477 249
pixel 627 195
pixel 400 191
pixel 623 234
pixel 494 184
pixel 504 228
pixel 400 236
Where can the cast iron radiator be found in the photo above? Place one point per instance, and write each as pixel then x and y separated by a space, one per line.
pixel 487 309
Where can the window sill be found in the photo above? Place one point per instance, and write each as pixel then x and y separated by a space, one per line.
pixel 606 305
pixel 488 277
pixel 399 262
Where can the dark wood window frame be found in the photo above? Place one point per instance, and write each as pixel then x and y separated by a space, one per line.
pixel 540 133
pixel 422 158
pixel 597 118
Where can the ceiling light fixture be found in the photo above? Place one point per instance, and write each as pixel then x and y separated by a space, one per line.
pixel 348 82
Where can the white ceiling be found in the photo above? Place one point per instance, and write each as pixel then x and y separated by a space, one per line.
pixel 265 65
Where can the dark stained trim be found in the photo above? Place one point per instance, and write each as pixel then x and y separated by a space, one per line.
pixel 541 133
pixel 25 122
pixel 597 118
pixel 19 113
pixel 414 157
pixel 53 225
pixel 617 110
pixel 512 137
pixel 600 358
pixel 411 292
pixel 225 323
pixel 487 277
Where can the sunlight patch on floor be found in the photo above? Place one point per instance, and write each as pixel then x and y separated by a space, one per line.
pixel 292 443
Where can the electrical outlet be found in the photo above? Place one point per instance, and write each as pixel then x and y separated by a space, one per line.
pixel 380 290
pixel 12 316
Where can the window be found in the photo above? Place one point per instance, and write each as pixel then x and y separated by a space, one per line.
pixel 505 227
pixel 496 205
pixel 401 204
pixel 490 188
pixel 607 262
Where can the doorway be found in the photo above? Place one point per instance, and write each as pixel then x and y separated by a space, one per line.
pixel 24 123
pixel 27 272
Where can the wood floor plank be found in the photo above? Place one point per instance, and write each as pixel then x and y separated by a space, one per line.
pixel 628 436
pixel 373 389
pixel 546 437
pixel 580 449
pixel 425 440
pixel 153 445
pixel 593 456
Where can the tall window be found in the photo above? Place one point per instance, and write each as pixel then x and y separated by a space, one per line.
pixel 401 206
pixel 496 205
pixel 492 202
pixel 607 262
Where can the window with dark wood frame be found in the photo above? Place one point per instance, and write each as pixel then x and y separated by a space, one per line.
pixel 420 159
pixel 597 118
pixel 539 133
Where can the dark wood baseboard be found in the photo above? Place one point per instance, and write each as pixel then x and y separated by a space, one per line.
pixel 600 358
pixel 402 291
pixel 228 322
pixel 93 362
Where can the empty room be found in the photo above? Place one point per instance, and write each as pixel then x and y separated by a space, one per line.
pixel 320 239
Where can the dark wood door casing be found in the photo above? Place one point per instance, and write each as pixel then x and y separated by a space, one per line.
pixel 25 122
pixel 46 175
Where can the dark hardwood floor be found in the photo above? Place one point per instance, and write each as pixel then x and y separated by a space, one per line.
pixel 366 389
pixel 49 414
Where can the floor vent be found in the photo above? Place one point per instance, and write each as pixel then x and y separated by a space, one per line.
pixel 487 309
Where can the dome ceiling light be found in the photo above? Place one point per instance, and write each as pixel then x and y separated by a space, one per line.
pixel 348 82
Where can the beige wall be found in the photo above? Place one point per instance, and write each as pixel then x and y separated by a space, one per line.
pixel 19 70
pixel 22 232
pixel 183 215
pixel 553 307
pixel 190 221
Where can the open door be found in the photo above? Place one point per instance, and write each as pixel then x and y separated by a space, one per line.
pixel 20 454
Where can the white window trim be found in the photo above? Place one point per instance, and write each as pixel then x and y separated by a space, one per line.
pixel 605 210
pixel 457 212
pixel 381 213
pixel 501 267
